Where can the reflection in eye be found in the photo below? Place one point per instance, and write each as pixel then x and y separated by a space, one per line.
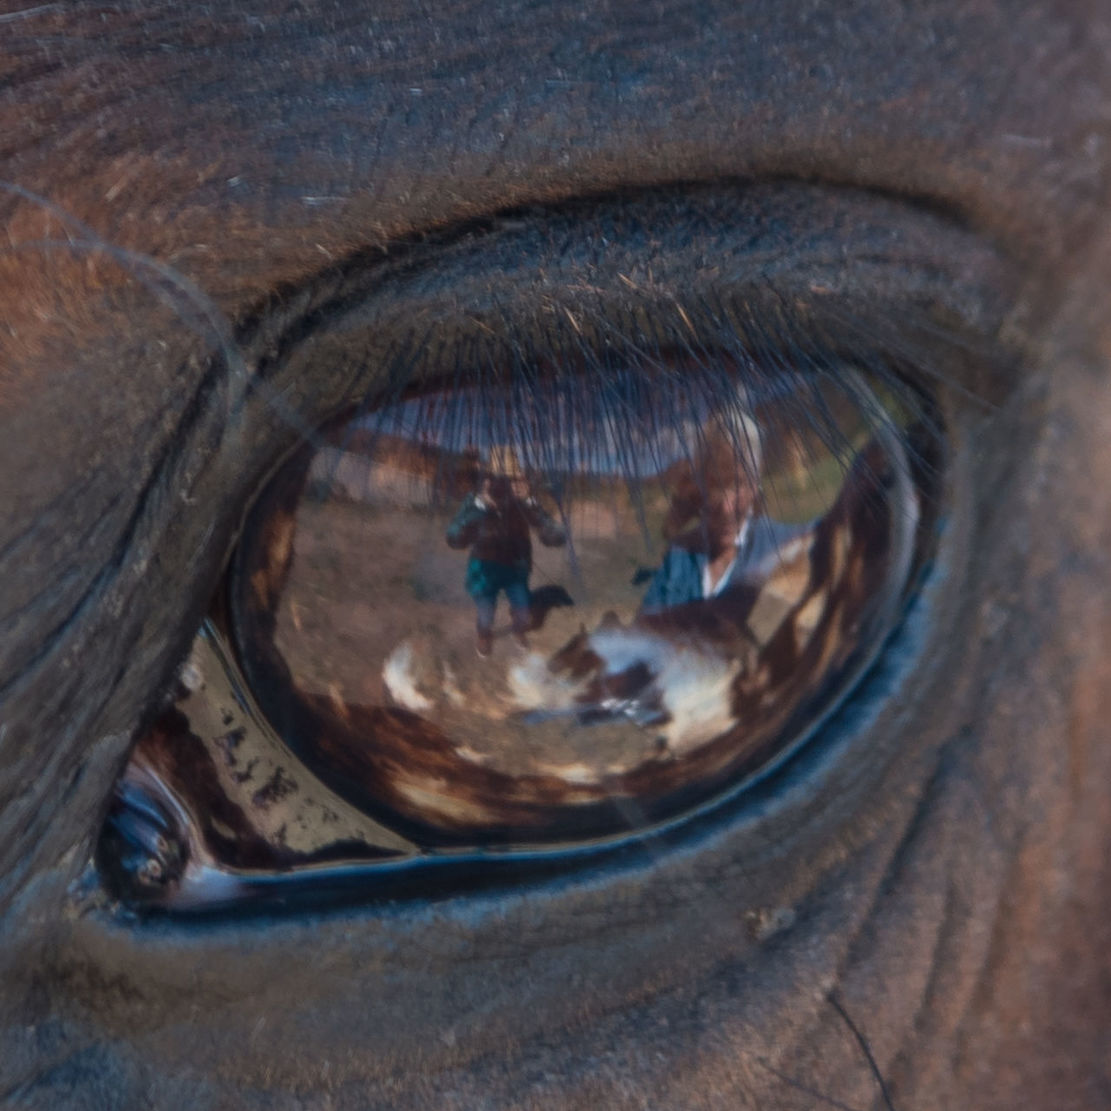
pixel 489 624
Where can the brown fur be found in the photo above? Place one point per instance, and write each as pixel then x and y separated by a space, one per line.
pixel 943 857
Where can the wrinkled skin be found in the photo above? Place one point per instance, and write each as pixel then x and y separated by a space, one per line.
pixel 931 886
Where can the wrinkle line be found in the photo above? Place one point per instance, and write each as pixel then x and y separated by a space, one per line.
pixel 865 1048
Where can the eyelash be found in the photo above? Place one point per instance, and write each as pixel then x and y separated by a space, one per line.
pixel 698 358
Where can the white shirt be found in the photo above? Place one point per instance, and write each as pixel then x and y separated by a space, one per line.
pixel 710 588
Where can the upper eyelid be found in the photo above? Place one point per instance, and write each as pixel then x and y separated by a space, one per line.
pixel 484 290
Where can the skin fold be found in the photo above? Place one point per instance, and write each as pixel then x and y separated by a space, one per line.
pixel 915 914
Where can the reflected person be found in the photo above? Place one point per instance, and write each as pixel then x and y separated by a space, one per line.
pixel 717 539
pixel 495 523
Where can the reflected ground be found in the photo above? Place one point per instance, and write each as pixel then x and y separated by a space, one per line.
pixel 378 607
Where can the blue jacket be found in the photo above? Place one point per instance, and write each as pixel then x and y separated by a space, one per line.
pixel 679 578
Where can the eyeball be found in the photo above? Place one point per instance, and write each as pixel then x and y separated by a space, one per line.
pixel 493 622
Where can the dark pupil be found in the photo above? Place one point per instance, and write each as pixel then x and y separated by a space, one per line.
pixel 478 631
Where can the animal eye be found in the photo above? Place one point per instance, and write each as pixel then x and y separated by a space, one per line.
pixel 501 621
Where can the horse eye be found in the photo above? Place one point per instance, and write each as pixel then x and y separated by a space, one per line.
pixel 492 626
